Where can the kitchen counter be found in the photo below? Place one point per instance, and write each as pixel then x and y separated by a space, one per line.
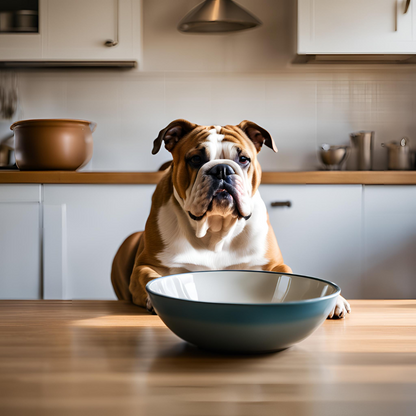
pixel 112 358
pixel 313 177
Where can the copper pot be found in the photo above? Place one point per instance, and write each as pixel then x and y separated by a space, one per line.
pixel 55 144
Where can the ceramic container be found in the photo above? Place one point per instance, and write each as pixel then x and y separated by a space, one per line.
pixel 242 311
pixel 53 144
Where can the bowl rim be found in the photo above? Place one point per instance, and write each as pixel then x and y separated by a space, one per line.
pixel 38 121
pixel 292 302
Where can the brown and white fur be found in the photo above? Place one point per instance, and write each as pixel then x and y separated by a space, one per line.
pixel 207 212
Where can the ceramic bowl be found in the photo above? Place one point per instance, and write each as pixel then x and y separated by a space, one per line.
pixel 53 144
pixel 333 156
pixel 242 311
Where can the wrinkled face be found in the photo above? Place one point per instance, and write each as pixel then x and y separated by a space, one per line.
pixel 215 172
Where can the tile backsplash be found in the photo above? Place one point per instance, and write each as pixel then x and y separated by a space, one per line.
pixel 224 80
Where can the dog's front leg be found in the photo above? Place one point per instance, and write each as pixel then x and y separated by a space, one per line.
pixel 139 278
pixel 341 308
pixel 282 268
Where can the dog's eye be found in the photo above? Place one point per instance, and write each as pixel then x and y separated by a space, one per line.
pixel 196 160
pixel 244 160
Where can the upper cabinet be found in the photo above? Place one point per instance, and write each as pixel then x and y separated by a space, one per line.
pixel 356 27
pixel 77 30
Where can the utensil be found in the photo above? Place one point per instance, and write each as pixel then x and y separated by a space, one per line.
pixel 5 153
pixel 241 310
pixel 8 95
pixel 53 144
pixel 333 156
pixel 361 157
pixel 399 155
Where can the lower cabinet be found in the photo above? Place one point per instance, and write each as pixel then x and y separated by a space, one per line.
pixel 84 226
pixel 59 241
pixel 320 234
pixel 20 242
pixel 389 241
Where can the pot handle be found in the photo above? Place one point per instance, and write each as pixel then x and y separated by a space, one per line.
pixel 93 126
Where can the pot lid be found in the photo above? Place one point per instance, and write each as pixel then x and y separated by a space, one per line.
pixel 217 16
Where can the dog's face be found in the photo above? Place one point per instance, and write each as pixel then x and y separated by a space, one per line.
pixel 215 169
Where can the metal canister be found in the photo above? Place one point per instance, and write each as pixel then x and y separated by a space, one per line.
pixel 6 22
pixel 400 156
pixel 26 21
pixel 361 157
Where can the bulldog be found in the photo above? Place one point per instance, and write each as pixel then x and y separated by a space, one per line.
pixel 207 212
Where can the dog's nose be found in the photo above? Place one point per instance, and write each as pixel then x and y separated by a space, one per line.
pixel 221 171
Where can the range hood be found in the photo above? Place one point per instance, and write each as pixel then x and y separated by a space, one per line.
pixel 217 16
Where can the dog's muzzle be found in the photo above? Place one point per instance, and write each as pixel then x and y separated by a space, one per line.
pixel 221 189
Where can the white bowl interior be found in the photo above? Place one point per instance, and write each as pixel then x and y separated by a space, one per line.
pixel 241 287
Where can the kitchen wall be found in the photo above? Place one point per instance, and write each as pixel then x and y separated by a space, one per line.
pixel 224 79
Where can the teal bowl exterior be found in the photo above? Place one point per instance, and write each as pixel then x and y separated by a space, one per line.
pixel 243 327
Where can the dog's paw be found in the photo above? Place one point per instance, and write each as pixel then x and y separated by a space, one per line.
pixel 149 306
pixel 342 307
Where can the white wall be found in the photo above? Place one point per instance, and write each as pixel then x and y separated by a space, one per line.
pixel 223 79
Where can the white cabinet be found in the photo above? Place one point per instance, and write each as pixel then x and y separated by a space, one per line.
pixel 84 225
pixel 320 233
pixel 20 46
pixel 390 241
pixel 356 27
pixel 20 242
pixel 362 238
pixel 77 30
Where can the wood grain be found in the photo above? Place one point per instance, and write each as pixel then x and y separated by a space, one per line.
pixel 112 358
pixel 314 177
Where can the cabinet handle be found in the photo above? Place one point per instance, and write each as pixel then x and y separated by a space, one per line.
pixel 281 204
pixel 406 8
pixel 110 43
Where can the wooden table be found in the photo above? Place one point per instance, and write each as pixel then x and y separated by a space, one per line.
pixel 111 358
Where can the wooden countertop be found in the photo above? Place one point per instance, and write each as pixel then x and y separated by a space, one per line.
pixel 112 358
pixel 313 177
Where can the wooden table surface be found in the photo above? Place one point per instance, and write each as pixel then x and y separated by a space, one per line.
pixel 111 358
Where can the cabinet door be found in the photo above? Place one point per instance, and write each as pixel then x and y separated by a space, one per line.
pixel 390 242
pixel 356 27
pixel 21 46
pixel 20 254
pixel 84 227
pixel 320 233
pixel 78 29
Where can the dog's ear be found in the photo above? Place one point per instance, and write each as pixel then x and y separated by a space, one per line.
pixel 172 134
pixel 257 135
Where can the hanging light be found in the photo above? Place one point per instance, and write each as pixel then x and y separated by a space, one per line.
pixel 217 16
